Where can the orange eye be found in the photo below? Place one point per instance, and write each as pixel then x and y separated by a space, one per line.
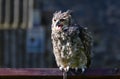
pixel 62 20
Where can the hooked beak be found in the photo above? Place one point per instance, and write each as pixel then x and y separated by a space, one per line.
pixel 59 25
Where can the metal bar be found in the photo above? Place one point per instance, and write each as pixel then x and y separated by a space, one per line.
pixel 6 48
pixel 42 61
pixel 56 72
pixel 23 45
pixel 1 48
pixel 27 58
pixel 20 13
pixel 11 12
pixel 16 14
pixel 33 61
pixel 13 48
pixel 20 48
pixel 25 14
pixel 7 15
pixel 30 24
pixel 30 9
pixel 0 11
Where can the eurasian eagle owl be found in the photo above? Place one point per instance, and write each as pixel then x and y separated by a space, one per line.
pixel 71 42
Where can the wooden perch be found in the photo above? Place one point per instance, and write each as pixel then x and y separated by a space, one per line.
pixel 55 73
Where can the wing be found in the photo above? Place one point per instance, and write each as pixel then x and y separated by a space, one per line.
pixel 86 39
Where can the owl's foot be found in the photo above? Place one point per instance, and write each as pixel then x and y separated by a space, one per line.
pixel 83 70
pixel 61 68
pixel 76 69
pixel 66 69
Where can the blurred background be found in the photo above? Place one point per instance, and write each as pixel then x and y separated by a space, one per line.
pixel 25 29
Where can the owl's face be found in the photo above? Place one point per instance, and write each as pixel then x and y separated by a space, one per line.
pixel 61 20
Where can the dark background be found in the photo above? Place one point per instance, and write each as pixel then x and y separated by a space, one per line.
pixel 102 17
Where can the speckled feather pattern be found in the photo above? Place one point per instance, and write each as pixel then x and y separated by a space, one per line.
pixel 71 42
pixel 68 48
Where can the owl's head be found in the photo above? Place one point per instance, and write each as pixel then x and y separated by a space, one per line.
pixel 61 20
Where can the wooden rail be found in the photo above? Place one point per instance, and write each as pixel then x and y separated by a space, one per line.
pixel 55 73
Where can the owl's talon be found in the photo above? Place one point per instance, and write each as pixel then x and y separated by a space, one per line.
pixel 61 68
pixel 76 69
pixel 83 70
pixel 67 68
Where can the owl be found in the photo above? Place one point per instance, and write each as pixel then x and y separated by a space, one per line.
pixel 71 42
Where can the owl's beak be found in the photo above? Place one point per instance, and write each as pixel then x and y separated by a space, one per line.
pixel 59 25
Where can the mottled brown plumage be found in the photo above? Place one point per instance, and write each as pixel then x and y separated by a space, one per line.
pixel 71 42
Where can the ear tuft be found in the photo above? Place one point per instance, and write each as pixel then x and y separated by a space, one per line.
pixel 69 11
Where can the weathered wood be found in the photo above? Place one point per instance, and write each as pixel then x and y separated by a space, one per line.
pixel 56 72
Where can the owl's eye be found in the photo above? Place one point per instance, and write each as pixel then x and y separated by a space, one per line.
pixel 62 20
pixel 54 19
